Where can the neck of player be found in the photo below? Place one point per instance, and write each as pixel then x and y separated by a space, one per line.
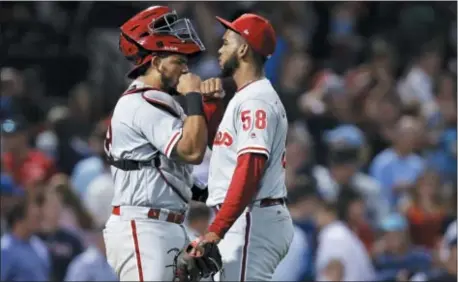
pixel 151 80
pixel 246 74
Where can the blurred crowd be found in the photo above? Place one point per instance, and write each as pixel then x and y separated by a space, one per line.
pixel 370 90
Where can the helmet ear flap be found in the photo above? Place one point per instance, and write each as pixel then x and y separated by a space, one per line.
pixel 131 50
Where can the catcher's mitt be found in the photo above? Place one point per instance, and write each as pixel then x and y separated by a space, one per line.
pixel 190 268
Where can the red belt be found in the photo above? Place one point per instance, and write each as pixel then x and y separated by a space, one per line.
pixel 172 217
pixel 264 203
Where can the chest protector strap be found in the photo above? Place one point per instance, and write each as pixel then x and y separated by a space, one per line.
pixel 131 165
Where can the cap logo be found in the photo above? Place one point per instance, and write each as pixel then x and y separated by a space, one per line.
pixel 9 126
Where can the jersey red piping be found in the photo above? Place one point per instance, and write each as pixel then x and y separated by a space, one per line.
pixel 245 247
pixel 137 250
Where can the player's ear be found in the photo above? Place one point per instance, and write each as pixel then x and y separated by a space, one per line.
pixel 243 50
pixel 156 62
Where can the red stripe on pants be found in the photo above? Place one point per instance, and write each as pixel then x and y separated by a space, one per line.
pixel 245 247
pixel 137 250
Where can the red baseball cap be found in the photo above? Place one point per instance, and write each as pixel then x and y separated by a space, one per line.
pixel 256 30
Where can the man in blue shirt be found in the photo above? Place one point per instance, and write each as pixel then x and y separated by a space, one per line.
pixel 443 157
pixel 397 168
pixel 24 257
pixel 397 257
pixel 298 263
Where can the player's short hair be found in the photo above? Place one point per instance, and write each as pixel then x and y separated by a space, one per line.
pixel 18 211
pixel 347 196
pixel 140 71
pixel 329 206
pixel 258 59
pixel 198 211
pixel 306 190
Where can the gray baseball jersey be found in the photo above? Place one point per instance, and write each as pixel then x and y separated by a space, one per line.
pixel 144 125
pixel 254 122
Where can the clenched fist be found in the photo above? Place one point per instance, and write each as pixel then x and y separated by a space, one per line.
pixel 188 82
pixel 212 88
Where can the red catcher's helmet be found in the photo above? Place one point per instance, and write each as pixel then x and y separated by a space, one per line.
pixel 157 29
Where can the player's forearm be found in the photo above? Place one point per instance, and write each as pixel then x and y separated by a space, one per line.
pixel 242 190
pixel 193 143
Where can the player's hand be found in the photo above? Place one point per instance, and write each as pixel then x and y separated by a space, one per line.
pixel 212 88
pixel 198 244
pixel 188 82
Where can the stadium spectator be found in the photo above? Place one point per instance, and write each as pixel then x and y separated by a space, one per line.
pixel 449 235
pixel 74 130
pixel 24 257
pixel 9 193
pixel 47 140
pixel 75 216
pixel 447 271
pixel 443 157
pixel 292 82
pixel 417 89
pixel 91 265
pixel 28 167
pixel 16 100
pixel 62 244
pixel 395 258
pixel 298 263
pixel 397 168
pixel 341 256
pixel 89 168
pixel 353 211
pixel 425 210
pixel 346 149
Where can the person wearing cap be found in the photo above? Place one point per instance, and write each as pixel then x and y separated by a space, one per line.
pixel 395 258
pixel 346 144
pixel 27 166
pixel 246 182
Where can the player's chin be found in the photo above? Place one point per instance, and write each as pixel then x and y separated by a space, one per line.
pixel 174 83
pixel 221 64
pixel 226 72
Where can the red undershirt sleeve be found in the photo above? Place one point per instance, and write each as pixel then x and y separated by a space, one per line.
pixel 214 111
pixel 242 190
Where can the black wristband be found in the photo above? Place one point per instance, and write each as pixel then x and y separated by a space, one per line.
pixel 194 104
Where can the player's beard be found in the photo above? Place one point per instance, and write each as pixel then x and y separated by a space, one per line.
pixel 230 66
pixel 168 85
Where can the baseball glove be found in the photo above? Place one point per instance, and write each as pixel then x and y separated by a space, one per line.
pixel 190 268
